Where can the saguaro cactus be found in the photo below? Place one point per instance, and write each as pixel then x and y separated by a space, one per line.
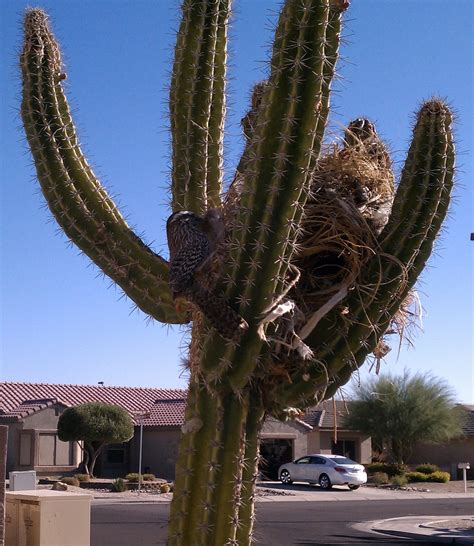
pixel 292 277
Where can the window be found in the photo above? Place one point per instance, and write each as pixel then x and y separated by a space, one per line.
pixel 303 460
pixel 318 460
pixel 346 448
pixel 116 454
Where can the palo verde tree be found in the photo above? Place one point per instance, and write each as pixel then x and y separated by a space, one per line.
pixel 95 424
pixel 401 411
pixel 291 277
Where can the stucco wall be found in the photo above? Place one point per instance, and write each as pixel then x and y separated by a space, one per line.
pixel 446 456
pixel 320 441
pixel 44 421
pixel 160 451
pixel 288 430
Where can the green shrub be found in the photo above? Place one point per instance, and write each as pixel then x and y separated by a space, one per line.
pixel 439 477
pixel 400 480
pixel 148 477
pixel 70 480
pixel 82 477
pixel 165 488
pixel 119 485
pixel 379 478
pixel 427 468
pixel 132 477
pixel 387 468
pixel 416 477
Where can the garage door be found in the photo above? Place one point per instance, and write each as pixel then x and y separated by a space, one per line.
pixel 274 453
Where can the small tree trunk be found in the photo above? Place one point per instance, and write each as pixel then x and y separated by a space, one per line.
pixel 94 455
pixel 85 458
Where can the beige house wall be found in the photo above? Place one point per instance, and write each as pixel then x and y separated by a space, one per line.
pixel 160 451
pixel 289 430
pixel 320 441
pixel 446 456
pixel 37 435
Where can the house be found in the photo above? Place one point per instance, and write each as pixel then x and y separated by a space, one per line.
pixel 449 454
pixel 31 412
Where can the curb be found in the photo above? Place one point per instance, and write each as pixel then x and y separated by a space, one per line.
pixel 418 528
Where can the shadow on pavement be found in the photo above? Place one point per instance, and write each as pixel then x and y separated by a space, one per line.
pixel 304 487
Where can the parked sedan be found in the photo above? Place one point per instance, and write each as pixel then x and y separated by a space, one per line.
pixel 327 470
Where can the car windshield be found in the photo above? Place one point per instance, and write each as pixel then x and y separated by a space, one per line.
pixel 343 460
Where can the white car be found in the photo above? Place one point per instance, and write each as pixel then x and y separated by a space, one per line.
pixel 327 470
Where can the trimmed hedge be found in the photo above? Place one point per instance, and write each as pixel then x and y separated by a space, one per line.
pixel 438 477
pixel 82 477
pixel 434 477
pixel 70 480
pixel 134 476
pixel 427 468
pixel 379 478
pixel 416 477
pixel 390 469
pixel 400 480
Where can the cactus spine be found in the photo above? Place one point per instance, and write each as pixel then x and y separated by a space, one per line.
pixel 269 369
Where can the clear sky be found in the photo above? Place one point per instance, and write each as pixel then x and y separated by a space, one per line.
pixel 61 322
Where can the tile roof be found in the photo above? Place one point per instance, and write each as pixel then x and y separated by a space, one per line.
pixel 322 416
pixel 166 413
pixel 18 400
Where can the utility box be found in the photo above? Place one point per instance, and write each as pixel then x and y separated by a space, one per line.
pixel 22 481
pixel 47 518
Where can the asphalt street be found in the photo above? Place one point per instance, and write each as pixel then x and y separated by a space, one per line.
pixel 278 523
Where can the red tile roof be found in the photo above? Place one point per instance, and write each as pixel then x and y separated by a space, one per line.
pixel 322 416
pixel 166 406
pixel 166 413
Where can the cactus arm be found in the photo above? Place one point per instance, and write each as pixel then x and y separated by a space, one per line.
pixel 406 244
pixel 277 172
pixel 77 200
pixel 217 116
pixel 197 105
pixel 288 132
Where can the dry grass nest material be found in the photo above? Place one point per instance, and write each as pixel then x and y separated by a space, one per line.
pixel 349 204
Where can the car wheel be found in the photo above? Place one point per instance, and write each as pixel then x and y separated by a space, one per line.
pixel 285 476
pixel 354 487
pixel 325 482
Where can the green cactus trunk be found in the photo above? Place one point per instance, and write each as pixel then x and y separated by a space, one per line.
pixel 288 356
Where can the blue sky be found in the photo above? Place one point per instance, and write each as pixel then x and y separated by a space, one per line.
pixel 61 323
